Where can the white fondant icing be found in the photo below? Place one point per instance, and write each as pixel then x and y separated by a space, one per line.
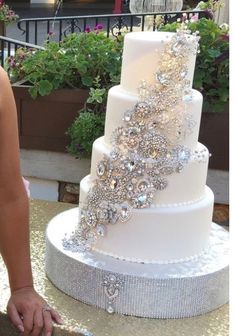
pixel 173 232
pixel 161 234
pixel 141 56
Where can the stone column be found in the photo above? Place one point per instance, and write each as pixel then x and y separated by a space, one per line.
pixel 222 15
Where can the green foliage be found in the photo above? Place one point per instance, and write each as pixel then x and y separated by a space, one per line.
pixel 7 15
pixel 212 65
pixel 87 61
pixel 86 128
pixel 79 61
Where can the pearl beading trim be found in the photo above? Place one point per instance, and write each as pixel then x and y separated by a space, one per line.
pixel 147 261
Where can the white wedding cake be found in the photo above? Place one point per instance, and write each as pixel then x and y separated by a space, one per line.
pixel 144 226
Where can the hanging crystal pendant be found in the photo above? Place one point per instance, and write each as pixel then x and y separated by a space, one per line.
pixel 110 309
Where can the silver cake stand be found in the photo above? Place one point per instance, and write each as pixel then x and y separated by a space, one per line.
pixel 147 290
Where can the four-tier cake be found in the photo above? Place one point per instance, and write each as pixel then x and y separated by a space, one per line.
pixel 143 242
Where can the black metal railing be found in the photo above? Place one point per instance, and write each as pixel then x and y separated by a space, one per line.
pixel 38 30
pixel 9 46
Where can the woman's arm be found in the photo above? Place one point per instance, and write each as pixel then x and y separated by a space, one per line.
pixel 14 223
pixel 14 231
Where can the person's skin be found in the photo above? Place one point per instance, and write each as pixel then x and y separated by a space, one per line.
pixel 25 306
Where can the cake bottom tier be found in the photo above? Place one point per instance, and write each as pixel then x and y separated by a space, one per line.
pixel 160 234
pixel 147 290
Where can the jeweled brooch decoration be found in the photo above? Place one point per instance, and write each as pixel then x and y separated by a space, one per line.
pixel 145 149
pixel 112 286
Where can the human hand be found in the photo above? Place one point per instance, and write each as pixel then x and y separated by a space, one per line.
pixel 29 312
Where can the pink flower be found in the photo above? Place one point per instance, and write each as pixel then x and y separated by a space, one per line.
pixel 184 16
pixel 87 29
pixel 13 64
pixel 99 26
pixel 51 33
pixel 224 37
pixel 194 18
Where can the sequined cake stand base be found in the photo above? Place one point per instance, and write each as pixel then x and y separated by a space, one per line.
pixel 147 290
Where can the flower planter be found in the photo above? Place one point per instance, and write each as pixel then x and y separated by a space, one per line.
pixel 44 121
pixel 214 133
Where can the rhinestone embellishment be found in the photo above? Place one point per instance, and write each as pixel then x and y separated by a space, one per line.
pixel 112 287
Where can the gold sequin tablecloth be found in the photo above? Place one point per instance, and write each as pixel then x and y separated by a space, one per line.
pixel 81 319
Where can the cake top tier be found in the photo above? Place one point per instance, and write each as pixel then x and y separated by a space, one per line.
pixel 142 55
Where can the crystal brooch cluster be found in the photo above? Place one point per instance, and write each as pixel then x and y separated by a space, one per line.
pixel 145 148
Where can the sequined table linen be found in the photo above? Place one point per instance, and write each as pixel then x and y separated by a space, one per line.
pixel 82 319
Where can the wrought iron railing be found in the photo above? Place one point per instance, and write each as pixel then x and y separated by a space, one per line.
pixel 9 46
pixel 113 24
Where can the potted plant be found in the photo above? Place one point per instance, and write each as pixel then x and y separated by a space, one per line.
pixel 6 16
pixel 52 85
pixel 212 80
